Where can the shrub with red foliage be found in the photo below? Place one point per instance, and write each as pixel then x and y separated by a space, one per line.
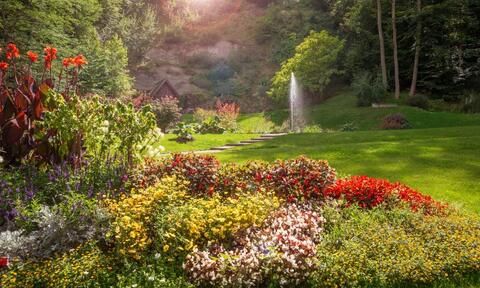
pixel 395 121
pixel 369 192
pixel 297 179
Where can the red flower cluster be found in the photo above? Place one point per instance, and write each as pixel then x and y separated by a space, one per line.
pixel 12 51
pixel 50 55
pixel 32 56
pixel 199 170
pixel 297 179
pixel 369 192
pixel 77 61
pixel 3 66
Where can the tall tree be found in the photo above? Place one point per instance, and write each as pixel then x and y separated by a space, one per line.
pixel 382 43
pixel 418 36
pixel 395 50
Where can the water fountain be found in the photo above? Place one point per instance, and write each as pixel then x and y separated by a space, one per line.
pixel 297 119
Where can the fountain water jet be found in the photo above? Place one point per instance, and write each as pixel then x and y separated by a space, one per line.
pixel 297 119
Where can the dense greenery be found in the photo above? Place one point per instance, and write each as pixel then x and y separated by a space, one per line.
pixel 447 45
pixel 313 63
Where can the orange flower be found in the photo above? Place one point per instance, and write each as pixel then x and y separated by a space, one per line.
pixel 12 51
pixel 68 61
pixel 32 56
pixel 3 66
pixel 80 60
pixel 50 55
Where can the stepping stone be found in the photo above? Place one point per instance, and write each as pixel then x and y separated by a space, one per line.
pixel 262 139
pixel 242 143
pixel 251 141
pixel 270 135
pixel 222 148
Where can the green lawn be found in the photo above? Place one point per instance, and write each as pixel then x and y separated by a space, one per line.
pixel 202 142
pixel 443 162
pixel 341 109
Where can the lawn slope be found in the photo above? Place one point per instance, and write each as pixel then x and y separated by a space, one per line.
pixel 443 162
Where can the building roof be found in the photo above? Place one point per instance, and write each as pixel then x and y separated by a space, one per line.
pixel 159 86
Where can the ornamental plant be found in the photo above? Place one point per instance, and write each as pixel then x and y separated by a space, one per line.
pixel 199 170
pixel 394 248
pixel 297 179
pixel 132 221
pixel 278 253
pixel 22 98
pixel 369 192
pixel 201 221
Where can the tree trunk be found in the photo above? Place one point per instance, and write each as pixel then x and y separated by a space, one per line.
pixel 418 38
pixel 382 44
pixel 395 51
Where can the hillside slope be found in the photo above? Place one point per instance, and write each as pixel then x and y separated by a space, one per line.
pixel 194 58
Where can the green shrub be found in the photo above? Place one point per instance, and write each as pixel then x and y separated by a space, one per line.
pixel 185 132
pixel 211 126
pixel 349 127
pixel 368 89
pixel 167 111
pixel 420 101
pixel 380 248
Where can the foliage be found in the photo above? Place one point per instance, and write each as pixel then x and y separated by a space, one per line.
pixel 297 179
pixel 279 252
pixel 211 126
pixel 185 132
pixel 22 102
pixel 349 127
pixel 200 114
pixel 420 101
pixel 50 230
pixel 395 121
pixel 199 170
pixel 80 267
pixel 183 227
pixel 167 111
pixel 368 89
pixel 313 64
pixel 132 224
pixel 107 72
pixel 370 192
pixel 394 248
pixel 228 114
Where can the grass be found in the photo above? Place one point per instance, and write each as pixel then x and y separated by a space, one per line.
pixel 443 162
pixel 203 142
pixel 336 111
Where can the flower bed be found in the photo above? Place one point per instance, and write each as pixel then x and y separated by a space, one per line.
pixel 189 221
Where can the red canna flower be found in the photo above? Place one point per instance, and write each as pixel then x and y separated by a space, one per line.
pixel 3 66
pixel 32 56
pixel 12 51
pixel 80 60
pixel 68 61
pixel 50 55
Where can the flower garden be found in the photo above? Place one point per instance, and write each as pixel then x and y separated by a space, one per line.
pixel 87 201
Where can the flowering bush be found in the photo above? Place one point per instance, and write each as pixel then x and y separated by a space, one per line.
pixel 228 114
pixel 199 170
pixel 132 224
pixel 396 248
pixel 297 179
pixel 182 228
pixel 80 267
pixel 369 192
pixel 280 252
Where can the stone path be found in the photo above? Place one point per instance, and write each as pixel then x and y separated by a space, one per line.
pixel 262 138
